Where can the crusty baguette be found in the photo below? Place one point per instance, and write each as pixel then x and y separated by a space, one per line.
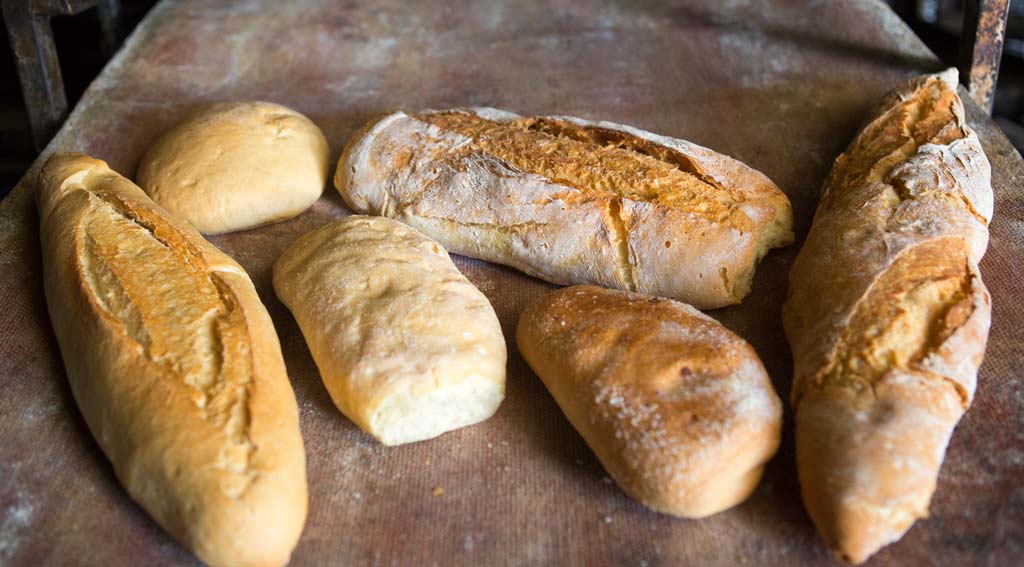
pixel 678 409
pixel 407 347
pixel 175 366
pixel 571 201
pixel 888 317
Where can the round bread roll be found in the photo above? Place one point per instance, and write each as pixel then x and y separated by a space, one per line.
pixel 237 165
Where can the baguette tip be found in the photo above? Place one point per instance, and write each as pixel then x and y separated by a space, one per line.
pixel 950 76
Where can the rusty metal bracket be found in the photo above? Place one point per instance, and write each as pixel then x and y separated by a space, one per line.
pixel 28 28
pixel 981 48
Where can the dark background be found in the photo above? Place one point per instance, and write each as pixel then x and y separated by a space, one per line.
pixel 82 55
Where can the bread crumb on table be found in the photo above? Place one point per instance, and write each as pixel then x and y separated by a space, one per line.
pixel 437 491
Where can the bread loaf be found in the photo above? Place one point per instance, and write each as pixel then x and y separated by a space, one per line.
pixel 571 201
pixel 406 346
pixel 888 317
pixel 175 366
pixel 237 165
pixel 678 409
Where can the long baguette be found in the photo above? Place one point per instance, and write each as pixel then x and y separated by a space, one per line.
pixel 888 317
pixel 175 366
pixel 571 201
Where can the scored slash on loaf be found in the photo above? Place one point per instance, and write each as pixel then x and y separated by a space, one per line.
pixel 678 409
pixel 407 347
pixel 571 201
pixel 175 366
pixel 887 316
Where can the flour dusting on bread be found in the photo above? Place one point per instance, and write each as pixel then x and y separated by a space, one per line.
pixel 678 409
pixel 571 201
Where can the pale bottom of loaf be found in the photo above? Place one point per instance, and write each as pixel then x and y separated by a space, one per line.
pixel 726 492
pixel 869 460
pixel 409 416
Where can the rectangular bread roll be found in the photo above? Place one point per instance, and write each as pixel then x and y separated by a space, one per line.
pixel 175 366
pixel 888 317
pixel 678 409
pixel 407 347
pixel 571 201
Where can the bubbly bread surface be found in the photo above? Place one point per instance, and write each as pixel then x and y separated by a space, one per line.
pixel 407 347
pixel 571 201
pixel 175 366
pixel 237 165
pixel 888 316
pixel 678 409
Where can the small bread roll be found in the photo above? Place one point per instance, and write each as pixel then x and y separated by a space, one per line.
pixel 407 347
pixel 237 165
pixel 678 409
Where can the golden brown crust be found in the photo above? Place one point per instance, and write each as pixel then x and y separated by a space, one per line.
pixel 607 163
pixel 678 409
pixel 175 366
pixel 571 201
pixel 888 316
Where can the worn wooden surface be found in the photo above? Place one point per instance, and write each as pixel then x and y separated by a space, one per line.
pixel 981 48
pixel 781 85
pixel 35 56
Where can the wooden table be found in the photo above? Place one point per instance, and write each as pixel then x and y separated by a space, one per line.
pixel 780 85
